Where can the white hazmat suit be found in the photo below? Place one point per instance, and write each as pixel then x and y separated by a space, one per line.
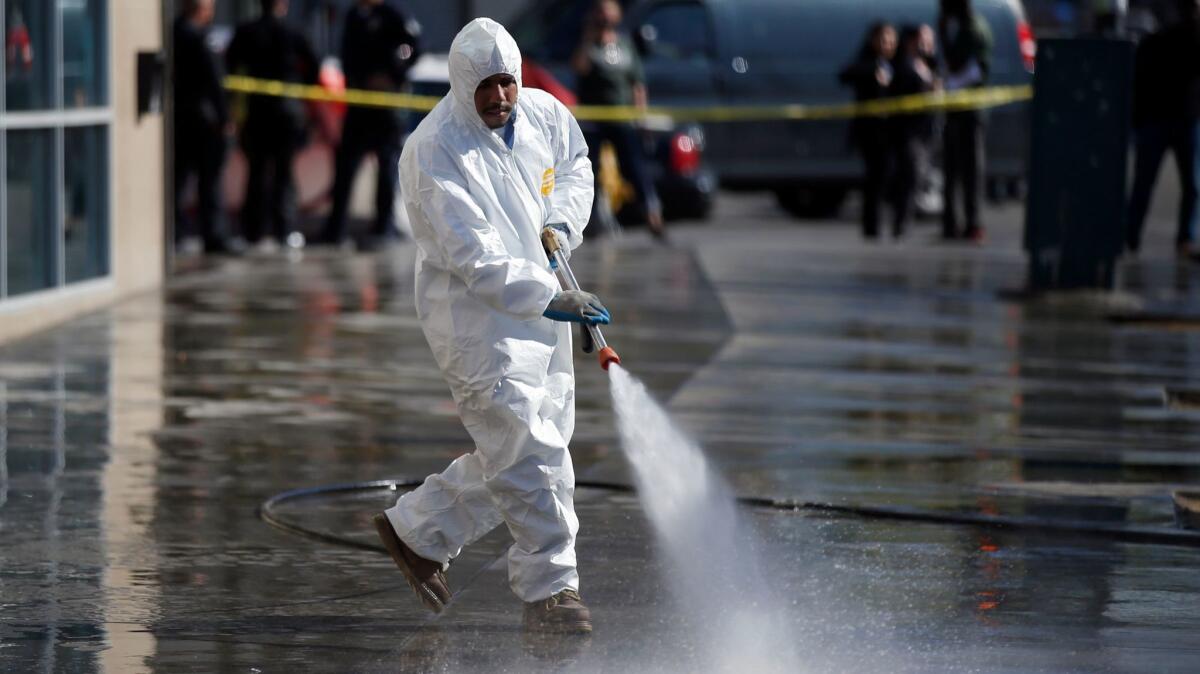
pixel 482 282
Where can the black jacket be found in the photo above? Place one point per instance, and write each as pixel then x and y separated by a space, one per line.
pixel 972 40
pixel 860 75
pixel 1166 80
pixel 377 43
pixel 908 80
pixel 199 97
pixel 268 48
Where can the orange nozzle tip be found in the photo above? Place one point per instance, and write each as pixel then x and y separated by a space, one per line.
pixel 608 357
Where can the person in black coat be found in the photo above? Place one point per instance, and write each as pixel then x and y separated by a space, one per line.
pixel 912 134
pixel 275 127
pixel 870 74
pixel 200 119
pixel 966 41
pixel 379 45
pixel 1166 116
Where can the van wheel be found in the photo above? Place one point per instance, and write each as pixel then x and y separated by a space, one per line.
pixel 808 202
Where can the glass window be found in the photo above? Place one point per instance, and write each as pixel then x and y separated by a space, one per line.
pixel 811 36
pixel 84 68
pixel 31 246
pixel 85 225
pixel 676 31
pixel 30 54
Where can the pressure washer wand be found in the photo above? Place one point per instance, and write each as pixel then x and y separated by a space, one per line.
pixel 567 277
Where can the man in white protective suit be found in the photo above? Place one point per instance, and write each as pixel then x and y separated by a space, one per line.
pixel 486 171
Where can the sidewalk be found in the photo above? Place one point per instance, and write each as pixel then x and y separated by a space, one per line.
pixel 138 443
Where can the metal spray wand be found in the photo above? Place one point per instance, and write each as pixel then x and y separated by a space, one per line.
pixel 567 277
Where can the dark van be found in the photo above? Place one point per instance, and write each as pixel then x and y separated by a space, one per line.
pixel 763 52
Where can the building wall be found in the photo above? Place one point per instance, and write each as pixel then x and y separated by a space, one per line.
pixel 138 227
pixel 135 187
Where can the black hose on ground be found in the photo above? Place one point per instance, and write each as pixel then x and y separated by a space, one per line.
pixel 1125 534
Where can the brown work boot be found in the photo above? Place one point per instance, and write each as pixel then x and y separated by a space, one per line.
pixel 563 613
pixel 423 576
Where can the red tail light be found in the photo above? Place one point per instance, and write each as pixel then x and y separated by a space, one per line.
pixel 685 154
pixel 1027 44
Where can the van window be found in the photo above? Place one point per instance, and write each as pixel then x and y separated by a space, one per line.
pixel 676 31
pixel 819 35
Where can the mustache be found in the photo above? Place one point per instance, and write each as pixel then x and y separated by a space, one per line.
pixel 499 107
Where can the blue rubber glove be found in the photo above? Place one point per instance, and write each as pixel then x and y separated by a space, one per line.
pixel 563 234
pixel 576 306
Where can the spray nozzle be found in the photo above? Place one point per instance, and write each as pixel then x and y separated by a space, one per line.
pixel 608 356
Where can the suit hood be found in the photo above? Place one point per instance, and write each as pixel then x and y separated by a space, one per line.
pixel 481 49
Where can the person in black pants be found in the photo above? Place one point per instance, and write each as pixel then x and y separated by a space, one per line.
pixel 201 116
pixel 275 127
pixel 610 73
pixel 967 49
pixel 912 133
pixel 379 45
pixel 1166 116
pixel 870 74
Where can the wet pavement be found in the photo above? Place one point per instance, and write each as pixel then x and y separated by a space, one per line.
pixel 137 444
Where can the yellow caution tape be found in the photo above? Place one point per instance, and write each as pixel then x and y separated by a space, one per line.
pixel 964 99
pixel 312 92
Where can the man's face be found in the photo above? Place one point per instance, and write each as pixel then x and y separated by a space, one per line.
pixel 926 41
pixel 608 14
pixel 885 43
pixel 204 13
pixel 495 98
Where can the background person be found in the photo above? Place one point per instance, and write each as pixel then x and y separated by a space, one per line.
pixel 871 74
pixel 379 45
pixel 490 168
pixel 274 128
pixel 610 73
pixel 912 134
pixel 200 123
pixel 1166 112
pixel 967 50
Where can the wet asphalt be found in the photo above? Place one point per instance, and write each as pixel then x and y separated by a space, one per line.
pixel 1015 459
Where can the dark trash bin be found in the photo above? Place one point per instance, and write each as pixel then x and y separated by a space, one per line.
pixel 1075 214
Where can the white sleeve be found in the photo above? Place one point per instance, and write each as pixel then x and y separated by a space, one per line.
pixel 571 200
pixel 471 248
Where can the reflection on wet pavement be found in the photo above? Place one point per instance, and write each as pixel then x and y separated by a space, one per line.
pixel 137 443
